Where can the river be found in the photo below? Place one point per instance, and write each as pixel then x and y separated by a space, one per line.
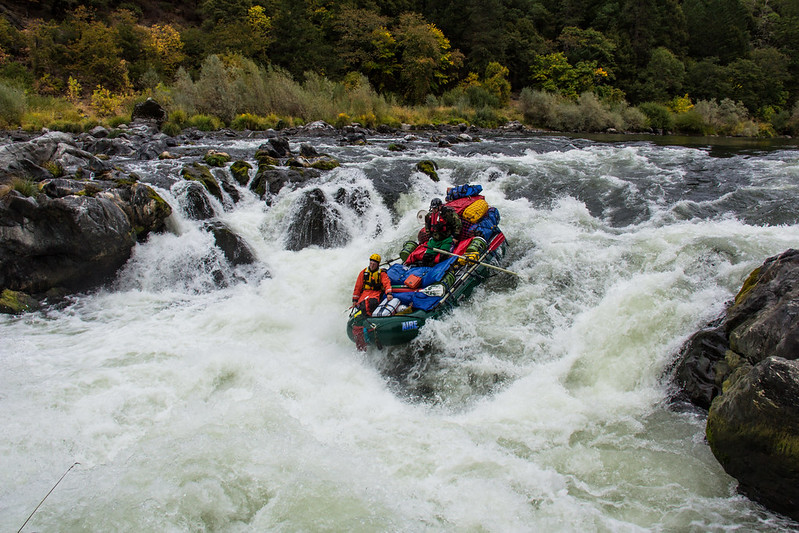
pixel 199 397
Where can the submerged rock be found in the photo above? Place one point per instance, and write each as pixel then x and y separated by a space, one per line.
pixel 745 368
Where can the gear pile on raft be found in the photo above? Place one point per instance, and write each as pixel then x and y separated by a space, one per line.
pixel 460 246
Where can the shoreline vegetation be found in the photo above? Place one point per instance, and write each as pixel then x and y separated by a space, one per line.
pixel 237 94
pixel 272 64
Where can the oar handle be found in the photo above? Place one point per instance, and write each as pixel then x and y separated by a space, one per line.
pixel 439 250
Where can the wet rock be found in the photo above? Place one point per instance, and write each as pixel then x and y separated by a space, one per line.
pixel 315 222
pixel 16 303
pixel 202 174
pixel 73 240
pixel 269 181
pixel 214 158
pixel 428 167
pixel 241 172
pixel 195 203
pixel 236 250
pixel 747 366
pixel 753 429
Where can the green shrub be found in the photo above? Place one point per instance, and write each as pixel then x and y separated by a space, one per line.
pixel 25 186
pixel 13 105
pixel 205 123
pixel 487 117
pixel 538 107
pixel 658 115
pixel 171 129
pixel 690 122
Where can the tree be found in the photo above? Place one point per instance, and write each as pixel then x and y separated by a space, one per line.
pixel 717 28
pixel 662 79
pixel 496 82
pixel 427 62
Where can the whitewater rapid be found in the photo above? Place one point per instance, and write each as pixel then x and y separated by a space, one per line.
pixel 540 405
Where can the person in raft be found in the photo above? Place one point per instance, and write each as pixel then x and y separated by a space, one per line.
pixel 442 225
pixel 370 286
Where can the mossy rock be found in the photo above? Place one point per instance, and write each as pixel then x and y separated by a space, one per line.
pixel 397 147
pixel 265 158
pixel 216 159
pixel 325 163
pixel 428 167
pixel 15 302
pixel 201 173
pixel 241 172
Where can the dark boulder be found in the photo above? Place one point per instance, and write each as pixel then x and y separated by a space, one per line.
pixel 236 250
pixel 315 222
pixel 753 429
pixel 269 181
pixel 47 156
pixel 202 174
pixel 73 240
pixel 195 204
pixel 149 110
pixel 700 362
pixel 747 366
pixel 241 172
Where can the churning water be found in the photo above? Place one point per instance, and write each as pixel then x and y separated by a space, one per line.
pixel 201 397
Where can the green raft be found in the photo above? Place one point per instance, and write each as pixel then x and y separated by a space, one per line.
pixel 402 328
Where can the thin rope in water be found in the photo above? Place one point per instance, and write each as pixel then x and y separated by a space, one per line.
pixel 45 497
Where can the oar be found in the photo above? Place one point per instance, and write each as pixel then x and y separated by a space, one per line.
pixel 439 250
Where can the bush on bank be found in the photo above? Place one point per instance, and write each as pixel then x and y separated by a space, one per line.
pixel 232 91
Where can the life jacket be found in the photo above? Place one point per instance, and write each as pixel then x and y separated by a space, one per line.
pixel 371 280
pixel 438 224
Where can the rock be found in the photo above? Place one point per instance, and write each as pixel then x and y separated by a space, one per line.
pixel 99 132
pixel 315 222
pixel 281 146
pixel 201 173
pixel 746 364
pixel 753 429
pixel 16 303
pixel 696 370
pixel 428 167
pixel 307 151
pixel 764 319
pixel 270 181
pixel 241 172
pixel 213 158
pixel 74 238
pixel 236 250
pixel 195 204
pixel 149 110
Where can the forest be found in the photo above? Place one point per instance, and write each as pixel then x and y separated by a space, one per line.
pixel 709 67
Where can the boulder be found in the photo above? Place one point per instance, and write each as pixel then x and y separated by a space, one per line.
pixel 315 222
pixel 149 110
pixel 202 174
pixel 241 172
pixel 75 238
pixel 753 429
pixel 38 158
pixel 428 167
pixel 744 366
pixel 269 181
pixel 195 203
pixel 236 250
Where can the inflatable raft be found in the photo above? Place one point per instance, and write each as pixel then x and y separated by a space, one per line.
pixel 423 293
